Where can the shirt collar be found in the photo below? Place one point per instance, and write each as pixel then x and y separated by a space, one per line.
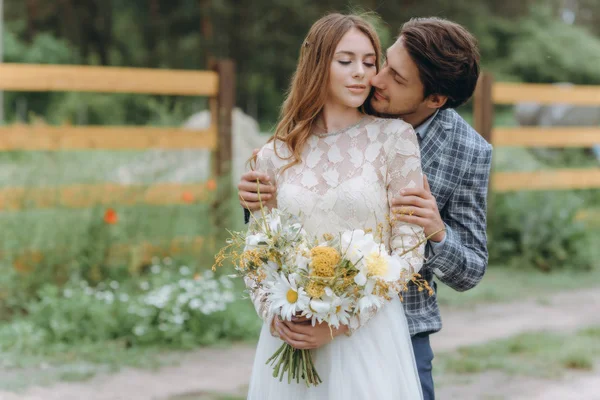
pixel 422 129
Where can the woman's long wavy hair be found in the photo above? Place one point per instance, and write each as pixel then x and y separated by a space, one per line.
pixel 310 83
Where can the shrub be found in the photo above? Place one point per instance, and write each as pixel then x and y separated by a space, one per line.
pixel 166 306
pixel 539 230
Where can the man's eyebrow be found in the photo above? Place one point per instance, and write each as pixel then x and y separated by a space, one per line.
pixel 393 70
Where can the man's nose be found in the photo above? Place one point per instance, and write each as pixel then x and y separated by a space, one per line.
pixel 377 80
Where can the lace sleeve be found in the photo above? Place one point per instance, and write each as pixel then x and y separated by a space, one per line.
pixel 264 163
pixel 403 171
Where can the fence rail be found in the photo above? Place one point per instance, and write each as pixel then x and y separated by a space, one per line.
pixel 77 78
pixel 53 138
pixel 489 93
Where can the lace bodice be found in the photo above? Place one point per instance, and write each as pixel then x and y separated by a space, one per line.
pixel 347 180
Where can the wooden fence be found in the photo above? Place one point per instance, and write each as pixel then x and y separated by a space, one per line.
pixel 218 84
pixel 489 94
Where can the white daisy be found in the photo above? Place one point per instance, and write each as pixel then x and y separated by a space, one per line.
pixel 287 298
pixel 318 310
pixel 368 300
pixel 255 241
pixel 340 311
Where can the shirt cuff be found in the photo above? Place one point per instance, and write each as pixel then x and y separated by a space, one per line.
pixel 436 247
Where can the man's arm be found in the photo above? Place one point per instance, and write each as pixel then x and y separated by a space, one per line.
pixel 460 262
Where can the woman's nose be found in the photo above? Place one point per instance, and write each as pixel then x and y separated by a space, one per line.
pixel 359 72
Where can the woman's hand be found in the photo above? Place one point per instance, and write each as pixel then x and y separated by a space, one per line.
pixel 300 334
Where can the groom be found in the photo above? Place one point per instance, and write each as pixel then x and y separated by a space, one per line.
pixel 431 69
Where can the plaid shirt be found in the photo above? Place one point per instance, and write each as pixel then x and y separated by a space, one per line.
pixel 456 161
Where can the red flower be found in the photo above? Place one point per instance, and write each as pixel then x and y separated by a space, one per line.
pixel 211 185
pixel 111 217
pixel 187 197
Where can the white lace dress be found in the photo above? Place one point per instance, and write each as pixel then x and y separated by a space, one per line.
pixel 346 181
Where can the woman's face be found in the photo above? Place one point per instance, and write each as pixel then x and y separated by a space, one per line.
pixel 352 68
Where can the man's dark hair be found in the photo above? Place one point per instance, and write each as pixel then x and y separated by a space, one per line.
pixel 446 55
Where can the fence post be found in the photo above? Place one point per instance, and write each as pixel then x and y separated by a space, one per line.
pixel 483 106
pixel 223 156
pixel 483 118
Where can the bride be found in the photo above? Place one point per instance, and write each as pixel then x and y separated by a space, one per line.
pixel 338 167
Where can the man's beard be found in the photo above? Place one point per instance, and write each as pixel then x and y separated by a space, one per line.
pixel 387 115
pixel 372 111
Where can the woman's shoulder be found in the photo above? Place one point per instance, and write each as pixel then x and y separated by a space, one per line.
pixel 395 136
pixel 393 125
pixel 391 131
pixel 274 151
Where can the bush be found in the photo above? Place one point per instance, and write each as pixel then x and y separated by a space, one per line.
pixel 166 306
pixel 539 230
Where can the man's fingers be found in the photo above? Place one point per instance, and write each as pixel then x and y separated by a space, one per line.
pixel 252 176
pixel 245 186
pixel 411 211
pixel 411 219
pixel 409 200
pixel 251 197
pixel 419 192
pixel 250 206
pixel 426 184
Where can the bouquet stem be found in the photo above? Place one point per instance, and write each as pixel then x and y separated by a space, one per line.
pixel 296 363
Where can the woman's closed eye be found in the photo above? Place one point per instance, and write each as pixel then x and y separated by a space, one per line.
pixel 366 64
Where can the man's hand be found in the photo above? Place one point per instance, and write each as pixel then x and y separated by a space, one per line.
pixel 248 189
pixel 418 206
pixel 303 336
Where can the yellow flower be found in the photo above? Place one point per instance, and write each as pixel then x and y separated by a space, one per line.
pixel 377 265
pixel 324 260
pixel 291 296
pixel 250 258
pixel 328 236
pixel 315 290
pixel 382 289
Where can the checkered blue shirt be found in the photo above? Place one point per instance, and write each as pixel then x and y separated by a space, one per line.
pixel 457 162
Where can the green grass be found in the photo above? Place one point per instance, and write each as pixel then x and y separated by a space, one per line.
pixel 503 284
pixel 30 364
pixel 539 354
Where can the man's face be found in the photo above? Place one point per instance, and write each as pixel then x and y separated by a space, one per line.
pixel 398 87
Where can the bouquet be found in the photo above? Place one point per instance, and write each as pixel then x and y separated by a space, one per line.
pixel 331 279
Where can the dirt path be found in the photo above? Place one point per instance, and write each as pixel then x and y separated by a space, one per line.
pixel 498 386
pixel 563 312
pixel 227 370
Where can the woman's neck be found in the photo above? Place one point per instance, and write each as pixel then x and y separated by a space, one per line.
pixel 335 117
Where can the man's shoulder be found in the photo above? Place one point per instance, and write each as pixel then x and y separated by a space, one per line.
pixel 461 132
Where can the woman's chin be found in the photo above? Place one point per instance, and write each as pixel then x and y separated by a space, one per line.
pixel 354 103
